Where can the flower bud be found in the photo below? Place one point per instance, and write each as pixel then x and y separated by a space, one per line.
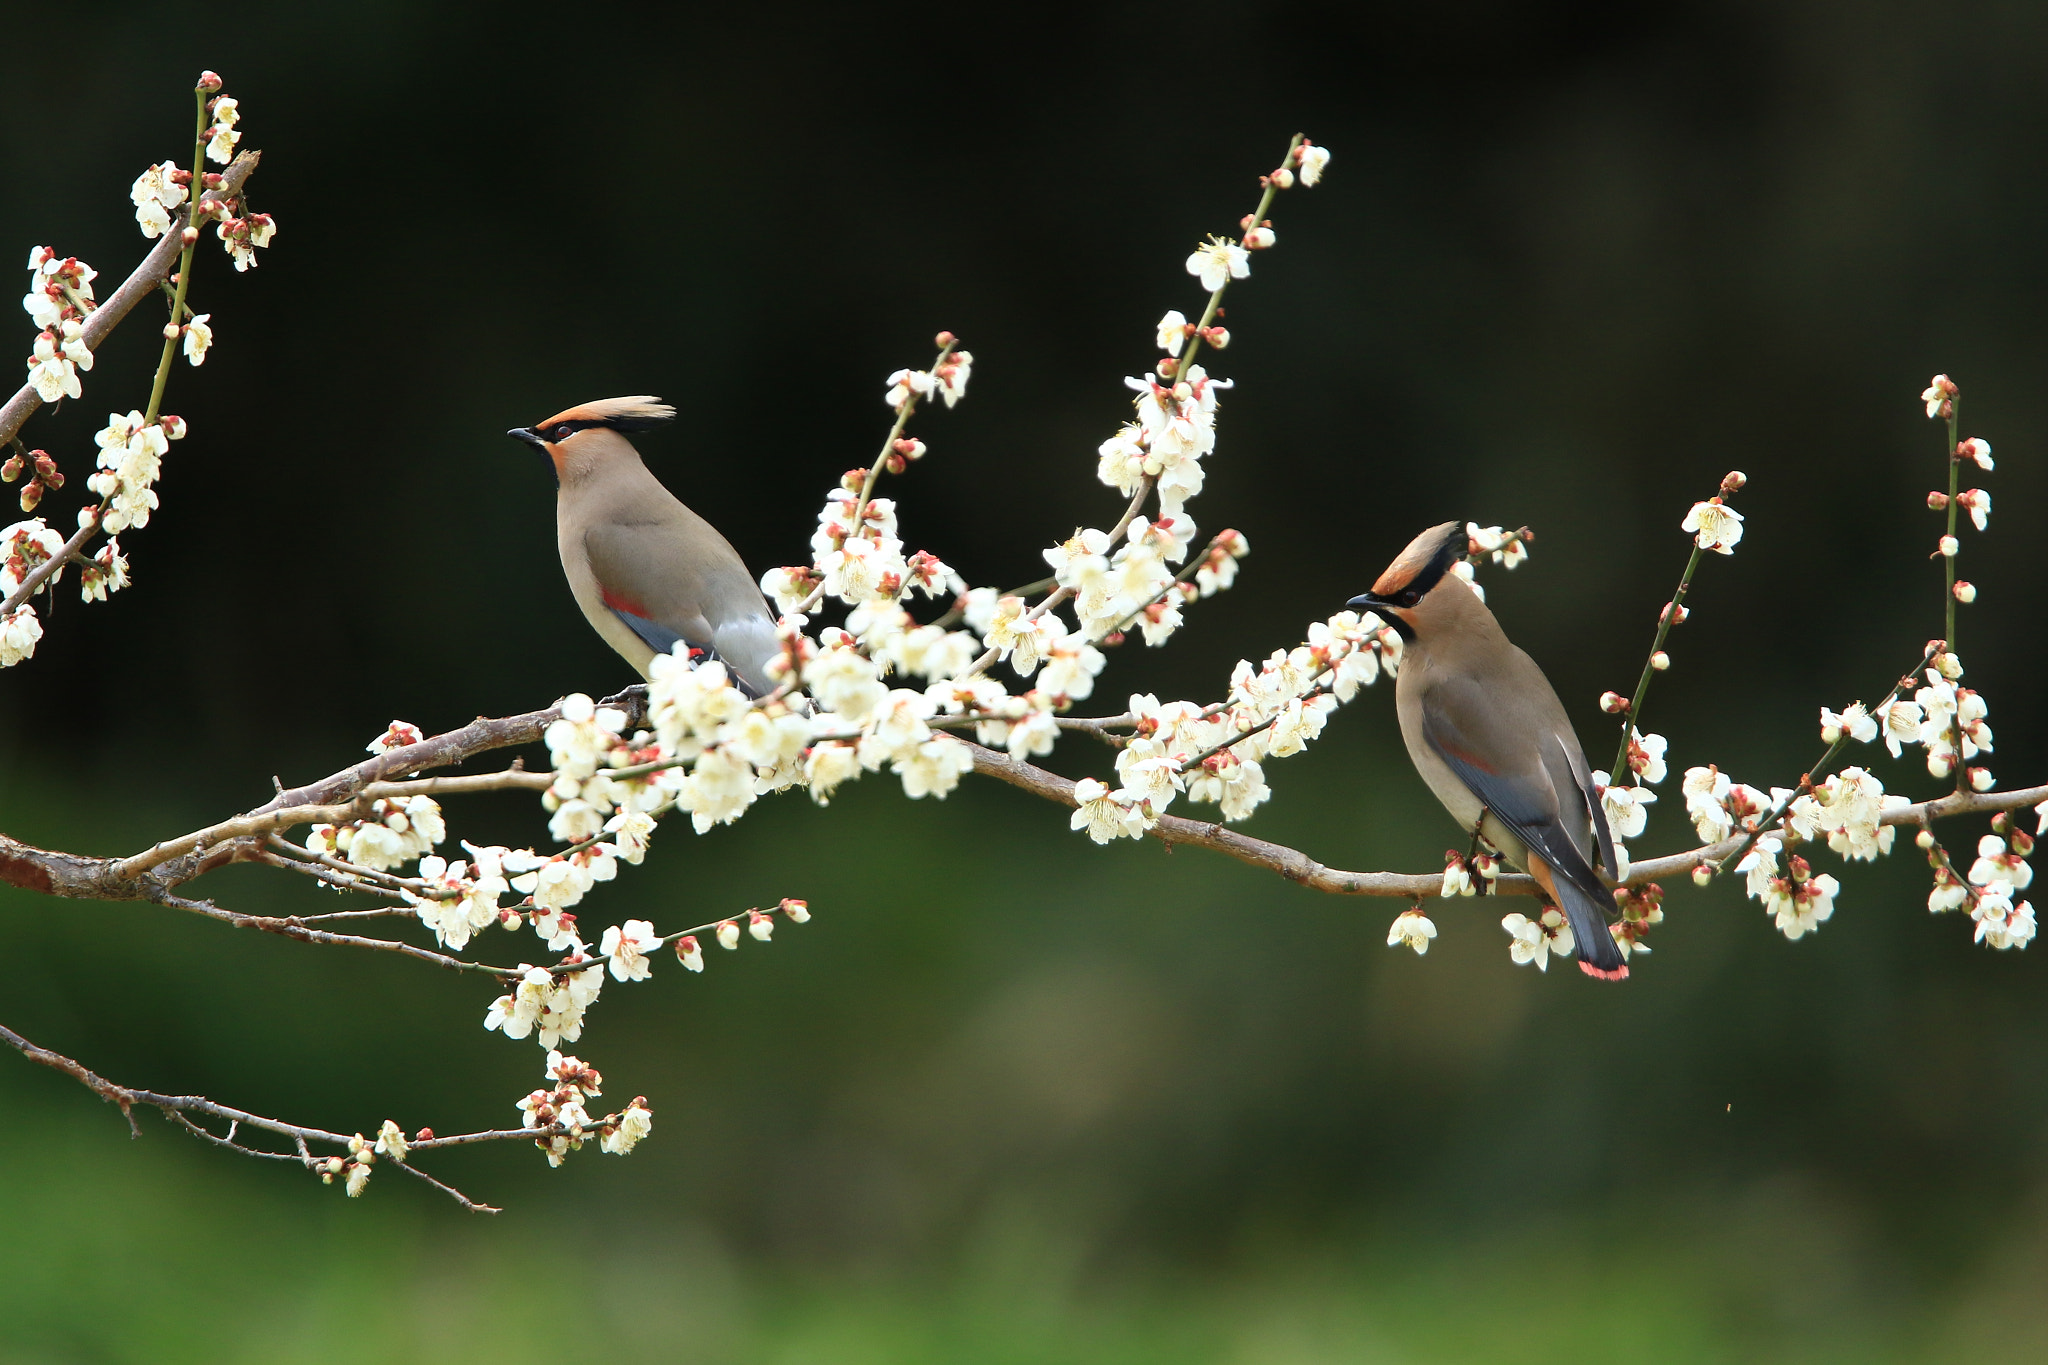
pixel 1981 780
pixel 1702 874
pixel 189 235
pixel 895 463
pixel 1733 482
pixel 909 448
pixel 1218 337
pixel 1660 661
pixel 689 954
pixel 1937 500
pixel 1281 179
pixel 1613 703
pixel 728 934
pixel 1674 613
pixel 944 339
pixel 760 926
pixel 209 81
pixel 1949 546
pixel 1925 838
pixel 1259 238
pixel 11 469
pixel 798 912
pixel 1966 591
pixel 31 495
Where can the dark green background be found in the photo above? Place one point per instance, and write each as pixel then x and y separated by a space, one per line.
pixel 1010 1097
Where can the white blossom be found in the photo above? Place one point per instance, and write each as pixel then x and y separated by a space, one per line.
pixel 1313 160
pixel 1535 940
pixel 1717 526
pixel 1102 815
pixel 627 946
pixel 634 1124
pixel 19 631
pixel 1216 261
pixel 1412 929
pixel 1856 722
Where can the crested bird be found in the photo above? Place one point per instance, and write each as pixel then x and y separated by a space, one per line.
pixel 647 571
pixel 1488 735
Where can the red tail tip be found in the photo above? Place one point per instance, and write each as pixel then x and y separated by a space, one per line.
pixel 1618 974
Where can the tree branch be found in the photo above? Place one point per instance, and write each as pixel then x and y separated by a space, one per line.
pixel 1296 866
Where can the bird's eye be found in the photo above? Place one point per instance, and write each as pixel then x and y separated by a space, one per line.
pixel 1408 597
pixel 563 432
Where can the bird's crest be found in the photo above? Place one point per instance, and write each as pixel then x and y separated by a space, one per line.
pixel 639 412
pixel 1423 564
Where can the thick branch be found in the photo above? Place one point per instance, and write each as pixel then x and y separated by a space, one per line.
pixel 155 268
pixel 340 796
pixel 1297 866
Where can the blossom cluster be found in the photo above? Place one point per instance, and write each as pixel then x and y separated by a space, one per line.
pixel 59 299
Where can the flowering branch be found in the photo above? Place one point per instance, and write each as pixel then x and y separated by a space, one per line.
pixel 390 1143
pixel 155 269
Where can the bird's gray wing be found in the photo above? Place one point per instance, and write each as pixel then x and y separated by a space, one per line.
pixel 1507 769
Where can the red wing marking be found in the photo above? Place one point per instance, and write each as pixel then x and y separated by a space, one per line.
pixel 618 601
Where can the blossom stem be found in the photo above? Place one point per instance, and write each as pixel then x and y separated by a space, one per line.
pixel 163 364
pixel 1630 720
pixel 1948 595
pixel 867 486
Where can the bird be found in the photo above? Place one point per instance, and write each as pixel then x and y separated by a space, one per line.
pixel 1488 735
pixel 647 571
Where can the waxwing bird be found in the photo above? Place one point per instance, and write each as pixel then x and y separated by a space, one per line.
pixel 1487 733
pixel 646 570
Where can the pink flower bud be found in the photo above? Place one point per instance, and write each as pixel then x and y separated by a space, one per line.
pixel 1613 703
pixel 1949 546
pixel 944 339
pixel 1259 238
pixel 1702 875
pixel 172 331
pixel 31 495
pixel 1965 590
pixel 689 954
pixel 1981 780
pixel 11 470
pixel 1660 661
pixel 1937 500
pixel 1925 838
pixel 1281 179
pixel 799 912
pixel 189 235
pixel 728 934
pixel 1734 481
pixel 209 81
pixel 1219 337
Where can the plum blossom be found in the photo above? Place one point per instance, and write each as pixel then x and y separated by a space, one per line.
pixel 1102 815
pixel 1411 929
pixel 1535 940
pixel 1173 331
pixel 1627 808
pixel 628 946
pixel 2000 923
pixel 1856 722
pixel 1217 261
pixel 1313 160
pixel 19 631
pixel 157 191
pixel 1716 526
pixel 1979 450
pixel 635 1122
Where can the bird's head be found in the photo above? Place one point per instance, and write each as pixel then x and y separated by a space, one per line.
pixel 1421 569
pixel 563 437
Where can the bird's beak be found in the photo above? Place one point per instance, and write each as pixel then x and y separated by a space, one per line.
pixel 528 435
pixel 1365 601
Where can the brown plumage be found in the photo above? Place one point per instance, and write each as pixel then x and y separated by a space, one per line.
pixel 1488 735
pixel 647 571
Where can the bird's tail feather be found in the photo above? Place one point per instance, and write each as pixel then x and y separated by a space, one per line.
pixel 1598 953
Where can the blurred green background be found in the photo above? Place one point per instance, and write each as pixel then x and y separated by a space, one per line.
pixel 1011 1097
